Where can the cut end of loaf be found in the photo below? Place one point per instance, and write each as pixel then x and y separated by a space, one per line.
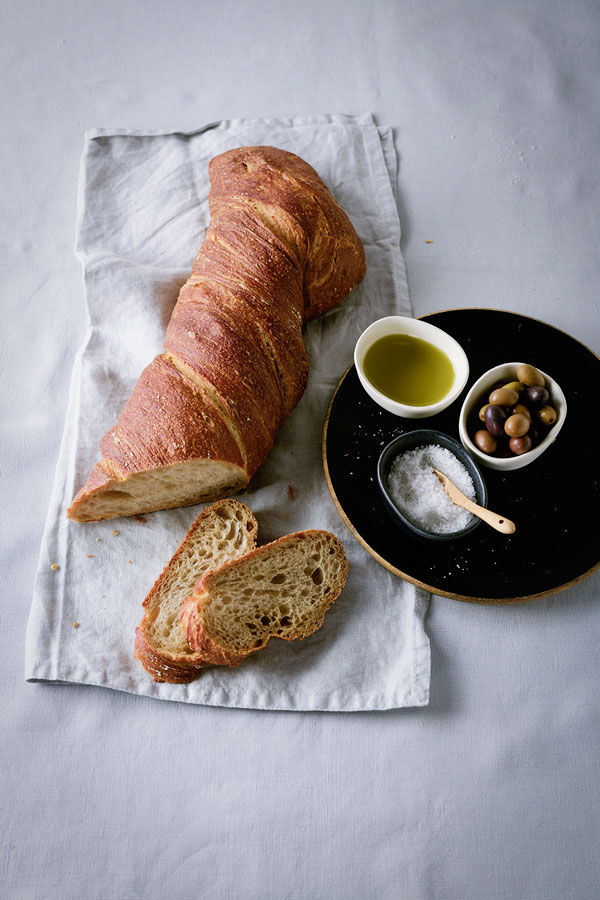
pixel 282 589
pixel 166 487
pixel 279 251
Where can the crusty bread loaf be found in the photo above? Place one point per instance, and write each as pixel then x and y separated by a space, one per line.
pixel 204 414
pixel 282 589
pixel 223 531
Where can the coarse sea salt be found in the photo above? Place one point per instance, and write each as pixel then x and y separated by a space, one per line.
pixel 419 493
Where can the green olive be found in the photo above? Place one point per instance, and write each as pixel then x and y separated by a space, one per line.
pixel 482 412
pixel 517 425
pixel 517 386
pixel 486 442
pixel 547 415
pixel 529 375
pixel 520 409
pixel 504 397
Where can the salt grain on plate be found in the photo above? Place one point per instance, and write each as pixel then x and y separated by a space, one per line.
pixel 420 495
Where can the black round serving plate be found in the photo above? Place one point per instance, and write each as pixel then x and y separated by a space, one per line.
pixel 554 501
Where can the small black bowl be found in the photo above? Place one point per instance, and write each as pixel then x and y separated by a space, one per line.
pixel 420 438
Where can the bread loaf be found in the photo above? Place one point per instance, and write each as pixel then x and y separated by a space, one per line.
pixel 203 415
pixel 282 589
pixel 223 531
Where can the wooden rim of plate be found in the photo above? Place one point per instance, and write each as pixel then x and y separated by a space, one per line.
pixel 495 601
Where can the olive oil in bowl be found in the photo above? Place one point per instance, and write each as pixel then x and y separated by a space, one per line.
pixel 408 369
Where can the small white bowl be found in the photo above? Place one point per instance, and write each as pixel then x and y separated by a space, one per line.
pixel 477 397
pixel 425 331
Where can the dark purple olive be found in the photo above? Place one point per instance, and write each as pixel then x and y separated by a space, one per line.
pixel 537 395
pixel 535 433
pixel 494 419
pixel 520 445
pixel 504 451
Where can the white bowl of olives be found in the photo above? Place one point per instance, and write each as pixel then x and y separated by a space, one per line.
pixel 511 415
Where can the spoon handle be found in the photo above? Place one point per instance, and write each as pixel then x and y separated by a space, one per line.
pixel 500 523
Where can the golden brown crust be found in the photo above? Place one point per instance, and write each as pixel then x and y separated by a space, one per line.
pixel 172 670
pixel 224 353
pixel 98 478
pixel 168 419
pixel 308 218
pixel 279 252
pixel 206 648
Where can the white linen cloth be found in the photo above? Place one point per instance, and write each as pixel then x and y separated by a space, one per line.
pixel 142 215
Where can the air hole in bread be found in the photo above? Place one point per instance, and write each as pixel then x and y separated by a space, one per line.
pixel 279 578
pixel 317 575
pixel 115 494
pixel 265 620
pixel 225 600
pixel 284 621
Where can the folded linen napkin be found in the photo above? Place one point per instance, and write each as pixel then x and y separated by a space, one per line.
pixel 142 215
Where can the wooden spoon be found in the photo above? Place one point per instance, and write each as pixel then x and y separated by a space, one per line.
pixel 500 523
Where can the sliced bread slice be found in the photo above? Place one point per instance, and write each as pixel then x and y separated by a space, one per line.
pixel 223 531
pixel 282 589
